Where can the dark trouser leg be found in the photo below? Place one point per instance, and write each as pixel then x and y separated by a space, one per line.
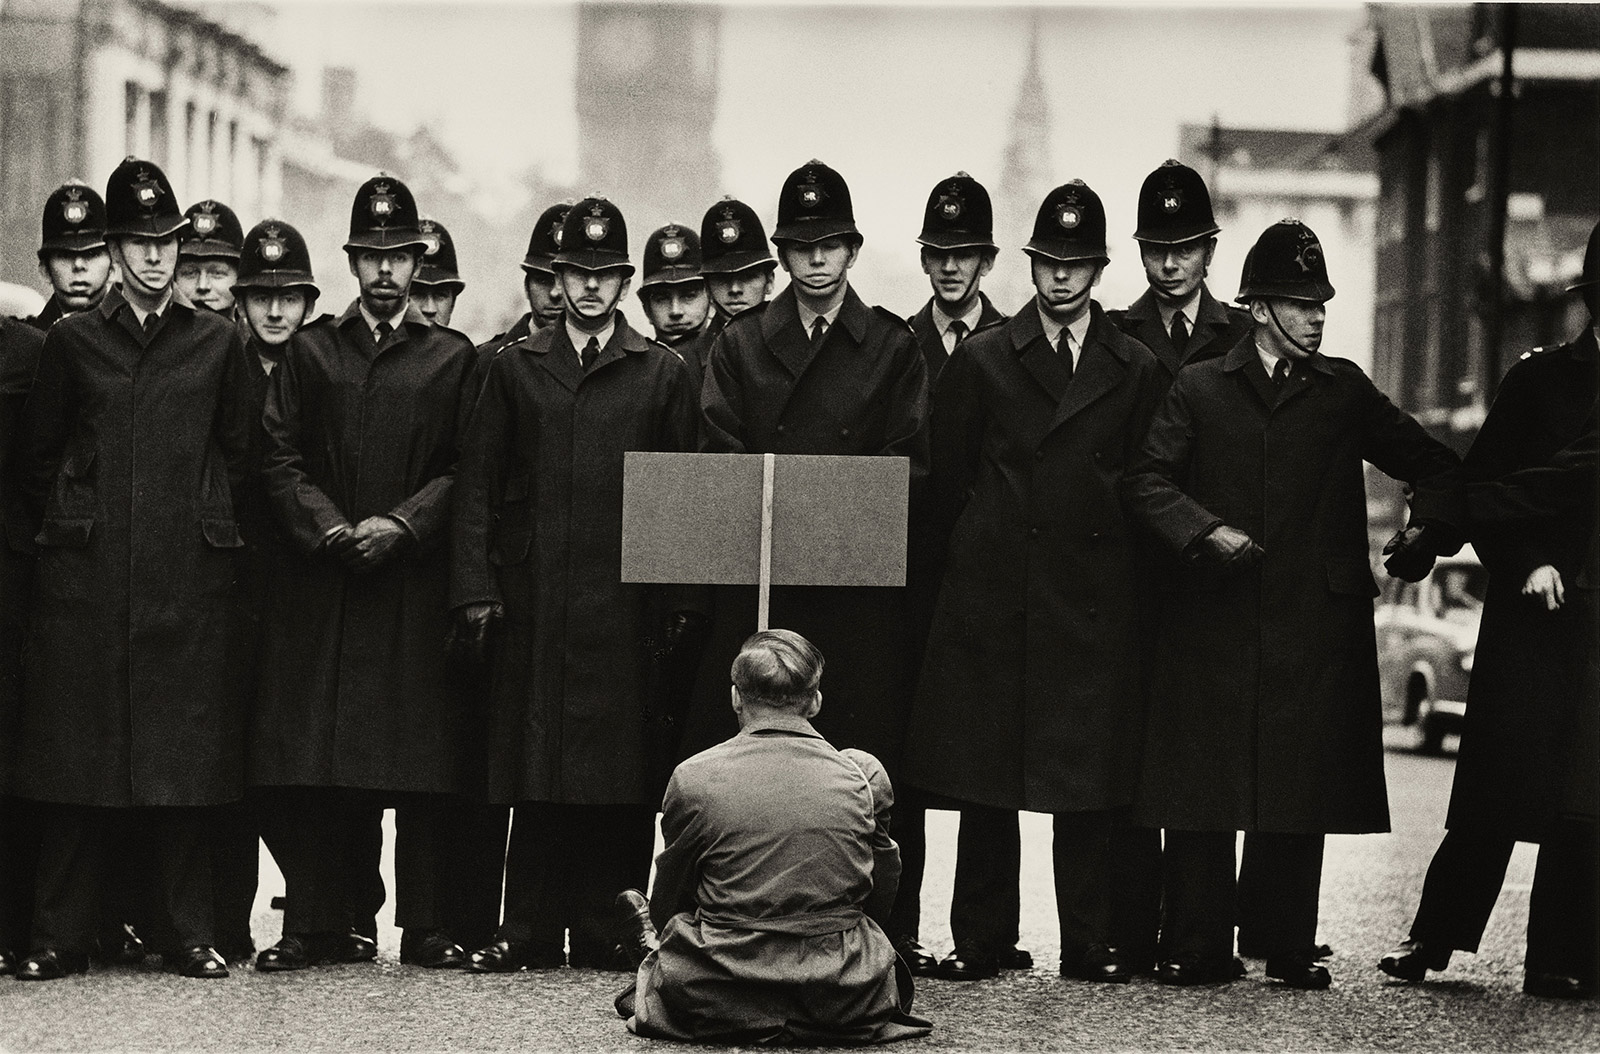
pixel 421 886
pixel 1463 883
pixel 909 828
pixel 1081 854
pixel 363 860
pixel 609 847
pixel 1136 894
pixel 304 827
pixel 67 906
pixel 986 900
pixel 475 838
pixel 534 864
pixel 183 876
pixel 1562 931
pixel 1200 889
pixel 19 863
pixel 235 870
pixel 1281 897
pixel 126 896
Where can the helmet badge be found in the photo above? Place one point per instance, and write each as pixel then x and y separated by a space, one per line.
pixel 146 191
pixel 204 221
pixel 382 205
pixel 74 209
pixel 1171 200
pixel 597 225
pixel 430 237
pixel 950 205
pixel 272 246
pixel 1068 215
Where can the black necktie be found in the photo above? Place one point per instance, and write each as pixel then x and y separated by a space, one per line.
pixel 381 332
pixel 819 333
pixel 151 321
pixel 1280 372
pixel 590 352
pixel 958 330
pixel 1064 347
pixel 1180 333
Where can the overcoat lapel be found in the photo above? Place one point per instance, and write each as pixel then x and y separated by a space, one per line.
pixel 559 357
pixel 1036 355
pixel 1099 370
pixel 790 343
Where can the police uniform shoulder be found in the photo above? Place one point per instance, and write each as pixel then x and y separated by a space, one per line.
pixel 893 318
pixel 753 311
pixel 322 321
pixel 984 327
pixel 456 335
pixel 1544 350
pixel 1115 315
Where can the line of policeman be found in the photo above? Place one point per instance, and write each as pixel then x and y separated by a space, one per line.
pixel 269 573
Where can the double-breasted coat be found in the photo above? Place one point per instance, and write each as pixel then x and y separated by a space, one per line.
pixel 1264 708
pixel 134 445
pixel 19 360
pixel 932 345
pixel 1523 699
pixel 538 528
pixel 1217 328
pixel 863 392
pixel 353 689
pixel 1030 695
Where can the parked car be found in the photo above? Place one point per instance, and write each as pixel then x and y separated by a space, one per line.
pixel 1427 634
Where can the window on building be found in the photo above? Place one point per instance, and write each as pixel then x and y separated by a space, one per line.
pixel 132 96
pixel 160 144
pixel 1432 192
pixel 191 121
pixel 211 150
pixel 234 182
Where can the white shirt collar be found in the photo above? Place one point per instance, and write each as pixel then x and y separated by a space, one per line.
pixel 1189 309
pixel 942 321
pixel 373 321
pixel 580 337
pixel 808 317
pixel 139 314
pixel 1052 331
pixel 1269 362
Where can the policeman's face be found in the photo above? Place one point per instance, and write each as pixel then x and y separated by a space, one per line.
pixel 1289 328
pixel 955 273
pixel 78 278
pixel 740 290
pixel 207 283
pixel 274 314
pixel 544 297
pixel 819 269
pixel 1064 286
pixel 1176 271
pixel 676 308
pixel 147 264
pixel 591 296
pixel 436 302
pixel 384 276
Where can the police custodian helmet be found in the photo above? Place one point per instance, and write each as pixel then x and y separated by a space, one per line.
pixel 439 258
pixel 1287 262
pixel 1070 226
pixel 74 220
pixel 671 256
pixel 1174 206
pixel 594 237
pixel 384 216
pixel 814 204
pixel 959 215
pixel 545 241
pixel 731 239
pixel 274 256
pixel 140 202
pixel 1591 262
pixel 214 231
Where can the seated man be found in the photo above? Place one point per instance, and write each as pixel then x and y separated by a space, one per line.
pixel 777 870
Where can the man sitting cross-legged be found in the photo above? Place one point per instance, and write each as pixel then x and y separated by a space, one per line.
pixel 777 869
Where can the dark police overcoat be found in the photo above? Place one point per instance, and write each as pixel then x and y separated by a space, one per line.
pixel 1030 695
pixel 932 345
pixel 353 689
pixel 1217 328
pixel 538 528
pixel 19 360
pixel 1264 708
pixel 864 392
pixel 134 448
pixel 1522 703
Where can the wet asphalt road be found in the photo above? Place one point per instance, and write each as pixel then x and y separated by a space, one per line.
pixel 1370 887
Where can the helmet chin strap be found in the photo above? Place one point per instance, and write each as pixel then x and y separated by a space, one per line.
pixel 1286 336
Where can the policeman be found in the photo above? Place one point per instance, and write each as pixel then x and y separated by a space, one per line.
pixel 208 256
pixel 355 712
pixel 673 293
pixel 957 251
pixel 1179 320
pixel 735 260
pixel 438 283
pixel 1264 709
pixel 536 535
pixel 72 252
pixel 539 283
pixel 141 406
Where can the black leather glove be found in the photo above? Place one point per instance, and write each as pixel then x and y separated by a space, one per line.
pixel 1410 553
pixel 468 639
pixel 371 543
pixel 1225 549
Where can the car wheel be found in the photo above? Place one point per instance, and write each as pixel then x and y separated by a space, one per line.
pixel 1431 739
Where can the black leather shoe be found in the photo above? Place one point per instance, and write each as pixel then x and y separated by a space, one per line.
pixel 121 947
pixel 236 951
pixel 1099 963
pixel 290 953
pixel 1411 959
pixel 51 964
pixel 431 949
pixel 1251 950
pixel 507 956
pixel 968 964
pixel 352 947
pixel 1189 971
pixel 8 961
pixel 1556 986
pixel 201 961
pixel 1298 972
pixel 921 961
pixel 636 934
pixel 1015 958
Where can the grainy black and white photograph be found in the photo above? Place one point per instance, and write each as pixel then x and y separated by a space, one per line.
pixel 603 526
